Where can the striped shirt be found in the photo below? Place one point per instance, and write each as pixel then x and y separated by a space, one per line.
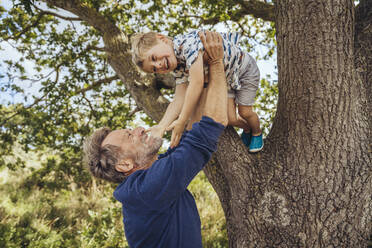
pixel 187 47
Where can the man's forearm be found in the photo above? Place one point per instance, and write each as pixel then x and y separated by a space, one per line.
pixel 216 102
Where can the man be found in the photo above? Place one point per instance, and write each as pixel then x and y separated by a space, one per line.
pixel 158 209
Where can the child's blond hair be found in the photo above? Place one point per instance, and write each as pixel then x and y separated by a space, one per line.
pixel 141 43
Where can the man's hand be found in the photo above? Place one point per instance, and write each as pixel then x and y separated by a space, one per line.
pixel 178 127
pixel 212 43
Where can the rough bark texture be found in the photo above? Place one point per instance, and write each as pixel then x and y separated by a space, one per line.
pixel 363 54
pixel 321 124
pixel 311 185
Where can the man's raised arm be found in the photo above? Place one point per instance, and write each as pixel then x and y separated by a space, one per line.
pixel 216 100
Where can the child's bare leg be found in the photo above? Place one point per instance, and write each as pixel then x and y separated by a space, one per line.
pixel 234 119
pixel 251 118
pixel 196 116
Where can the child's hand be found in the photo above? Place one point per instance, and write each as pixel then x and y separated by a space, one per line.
pixel 157 131
pixel 178 127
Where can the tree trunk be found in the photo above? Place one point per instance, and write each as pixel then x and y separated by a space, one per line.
pixel 363 53
pixel 311 185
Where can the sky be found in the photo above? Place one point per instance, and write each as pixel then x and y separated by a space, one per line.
pixel 266 67
pixel 7 51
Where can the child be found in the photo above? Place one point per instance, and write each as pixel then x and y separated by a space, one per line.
pixel 183 56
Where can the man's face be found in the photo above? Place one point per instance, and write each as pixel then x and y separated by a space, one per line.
pixel 140 146
pixel 160 58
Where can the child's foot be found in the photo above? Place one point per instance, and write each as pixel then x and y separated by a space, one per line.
pixel 246 138
pixel 256 144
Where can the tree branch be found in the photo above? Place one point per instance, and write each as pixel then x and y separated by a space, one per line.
pixel 57 74
pixel 258 9
pixel 242 28
pixel 67 18
pixel 30 106
pixel 91 47
pixel 137 109
pixel 262 10
pixel 26 29
pixel 165 81
pixel 97 83
pixel 37 100
pixel 40 15
pixel 207 21
pixel 92 111
pixel 84 12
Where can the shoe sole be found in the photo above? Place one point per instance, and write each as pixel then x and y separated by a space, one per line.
pixel 257 149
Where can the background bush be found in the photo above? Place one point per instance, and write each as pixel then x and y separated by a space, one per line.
pixel 43 206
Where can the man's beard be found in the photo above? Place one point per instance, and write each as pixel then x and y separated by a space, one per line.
pixel 151 150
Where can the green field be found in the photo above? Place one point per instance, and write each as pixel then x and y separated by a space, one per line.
pixel 45 205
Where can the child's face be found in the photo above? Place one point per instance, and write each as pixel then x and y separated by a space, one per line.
pixel 160 58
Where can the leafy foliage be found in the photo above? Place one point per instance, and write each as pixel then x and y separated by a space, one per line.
pixel 70 88
pixel 267 97
pixel 67 89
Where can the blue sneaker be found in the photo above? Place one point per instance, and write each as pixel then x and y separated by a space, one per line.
pixel 246 138
pixel 256 144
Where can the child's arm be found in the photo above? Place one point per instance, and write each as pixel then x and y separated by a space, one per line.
pixel 172 112
pixel 193 93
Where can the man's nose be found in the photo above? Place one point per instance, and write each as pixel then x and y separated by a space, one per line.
pixel 139 131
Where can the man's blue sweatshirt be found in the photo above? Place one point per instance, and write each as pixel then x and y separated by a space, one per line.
pixel 158 210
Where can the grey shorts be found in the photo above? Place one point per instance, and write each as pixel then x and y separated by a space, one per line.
pixel 249 79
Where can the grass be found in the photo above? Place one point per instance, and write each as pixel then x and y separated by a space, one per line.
pixel 32 214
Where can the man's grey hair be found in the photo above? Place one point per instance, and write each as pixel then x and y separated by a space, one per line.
pixel 101 160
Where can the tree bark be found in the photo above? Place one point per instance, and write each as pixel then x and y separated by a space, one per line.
pixel 363 54
pixel 320 129
pixel 311 185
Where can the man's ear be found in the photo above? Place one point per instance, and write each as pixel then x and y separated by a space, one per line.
pixel 125 165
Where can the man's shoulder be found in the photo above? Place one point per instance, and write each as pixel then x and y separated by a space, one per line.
pixel 124 189
pixel 206 130
pixel 207 123
pixel 170 150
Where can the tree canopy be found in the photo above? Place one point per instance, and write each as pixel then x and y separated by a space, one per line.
pixel 73 87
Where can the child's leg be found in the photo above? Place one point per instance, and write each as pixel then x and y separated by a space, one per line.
pixel 234 119
pixel 256 142
pixel 246 112
pixel 245 97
